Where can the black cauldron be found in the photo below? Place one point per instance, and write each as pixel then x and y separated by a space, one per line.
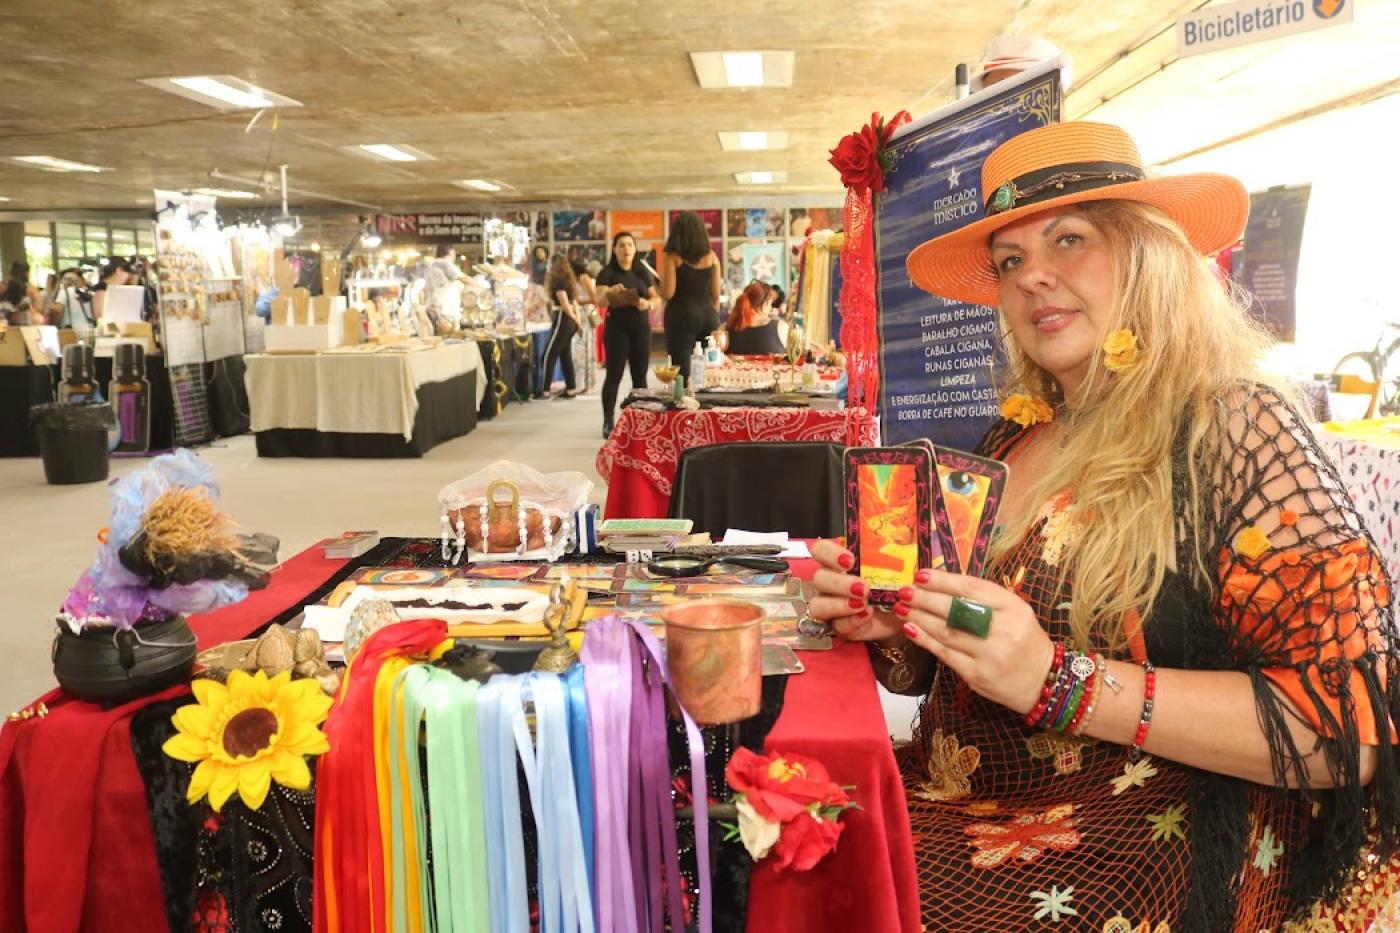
pixel 111 666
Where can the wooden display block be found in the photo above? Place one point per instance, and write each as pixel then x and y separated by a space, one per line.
pixel 331 271
pixel 301 306
pixel 353 323
pixel 281 311
pixel 283 275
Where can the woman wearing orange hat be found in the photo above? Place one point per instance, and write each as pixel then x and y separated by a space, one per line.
pixel 1170 705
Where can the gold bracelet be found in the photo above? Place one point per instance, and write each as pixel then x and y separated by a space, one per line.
pixel 901 674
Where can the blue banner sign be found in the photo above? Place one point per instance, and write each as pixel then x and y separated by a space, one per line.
pixel 936 354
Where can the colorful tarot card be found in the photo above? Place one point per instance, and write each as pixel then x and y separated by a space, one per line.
pixel 400 576
pixel 889 516
pixel 972 488
pixel 944 546
pixel 512 572
pixel 780 659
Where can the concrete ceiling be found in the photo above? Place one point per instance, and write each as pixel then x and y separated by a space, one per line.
pixel 569 101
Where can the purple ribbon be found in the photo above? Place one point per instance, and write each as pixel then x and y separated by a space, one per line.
pixel 626 707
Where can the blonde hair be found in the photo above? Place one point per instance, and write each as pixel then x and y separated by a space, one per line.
pixel 1195 342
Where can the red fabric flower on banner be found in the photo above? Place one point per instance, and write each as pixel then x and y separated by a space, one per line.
pixel 860 157
pixel 862 160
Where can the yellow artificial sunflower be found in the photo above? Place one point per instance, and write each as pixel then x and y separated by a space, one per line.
pixel 1120 351
pixel 249 733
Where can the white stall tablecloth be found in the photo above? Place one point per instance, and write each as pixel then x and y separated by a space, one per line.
pixel 354 393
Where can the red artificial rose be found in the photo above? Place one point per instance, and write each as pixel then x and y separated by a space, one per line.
pixel 781 787
pixel 857 158
pixel 805 842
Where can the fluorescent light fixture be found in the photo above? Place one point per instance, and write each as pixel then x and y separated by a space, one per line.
pixel 389 152
pixel 51 164
pixel 6 200
pixel 230 193
pixel 222 91
pixel 743 69
pixel 760 178
pixel 480 184
pixel 287 226
pixel 748 141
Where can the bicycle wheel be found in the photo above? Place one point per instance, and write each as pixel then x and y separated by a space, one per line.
pixel 1389 402
pixel 1354 378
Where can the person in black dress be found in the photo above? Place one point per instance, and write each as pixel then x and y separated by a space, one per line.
pixel 562 293
pixel 690 274
pixel 628 291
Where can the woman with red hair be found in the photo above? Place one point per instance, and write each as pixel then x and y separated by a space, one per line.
pixel 752 328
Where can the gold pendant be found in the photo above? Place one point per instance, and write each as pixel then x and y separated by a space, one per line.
pixel 900 677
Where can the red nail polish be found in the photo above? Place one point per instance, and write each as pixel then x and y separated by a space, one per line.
pixel 859 588
pixel 906 594
pixel 855 602
pixel 865 613
pixel 901 610
pixel 846 560
pixel 923 576
pixel 911 630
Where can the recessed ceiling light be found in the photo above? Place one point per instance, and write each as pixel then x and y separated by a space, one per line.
pixel 750 141
pixel 232 193
pixel 742 69
pixel 387 152
pixel 222 91
pixel 51 164
pixel 760 178
pixel 480 184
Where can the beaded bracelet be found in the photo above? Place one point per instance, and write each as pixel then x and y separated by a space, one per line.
pixel 1048 687
pixel 1148 692
pixel 1091 695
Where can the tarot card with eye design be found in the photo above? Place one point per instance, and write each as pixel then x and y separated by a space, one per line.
pixel 889 517
pixel 972 488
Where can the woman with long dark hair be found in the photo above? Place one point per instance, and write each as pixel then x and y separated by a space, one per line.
pixel 751 326
pixel 562 289
pixel 628 291
pixel 690 274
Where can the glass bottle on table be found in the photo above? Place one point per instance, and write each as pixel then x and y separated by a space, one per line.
pixel 131 394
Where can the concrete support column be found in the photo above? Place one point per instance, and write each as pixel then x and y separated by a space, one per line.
pixel 11 245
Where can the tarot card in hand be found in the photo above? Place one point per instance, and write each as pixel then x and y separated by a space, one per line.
pixel 972 488
pixel 889 517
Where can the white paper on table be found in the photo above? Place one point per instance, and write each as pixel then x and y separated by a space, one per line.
pixel 791 549
pixel 329 623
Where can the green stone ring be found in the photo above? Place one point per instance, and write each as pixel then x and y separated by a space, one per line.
pixel 967 616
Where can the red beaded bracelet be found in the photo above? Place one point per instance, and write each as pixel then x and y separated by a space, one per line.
pixel 1086 705
pixel 1149 691
pixel 1047 690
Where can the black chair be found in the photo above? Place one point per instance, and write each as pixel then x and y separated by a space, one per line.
pixel 787 486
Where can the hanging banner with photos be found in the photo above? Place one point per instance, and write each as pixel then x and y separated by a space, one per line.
pixel 937 354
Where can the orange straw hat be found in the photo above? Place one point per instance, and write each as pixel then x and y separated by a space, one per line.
pixel 1069 163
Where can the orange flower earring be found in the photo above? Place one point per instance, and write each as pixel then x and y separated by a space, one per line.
pixel 1120 351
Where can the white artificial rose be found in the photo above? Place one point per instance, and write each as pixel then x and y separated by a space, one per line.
pixel 758 835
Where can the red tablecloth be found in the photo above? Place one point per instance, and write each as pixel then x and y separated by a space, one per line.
pixel 640 458
pixel 867 884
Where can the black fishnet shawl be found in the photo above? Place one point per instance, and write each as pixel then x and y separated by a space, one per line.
pixel 1325 622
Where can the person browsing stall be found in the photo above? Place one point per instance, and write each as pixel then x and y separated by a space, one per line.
pixel 114 272
pixel 628 291
pixel 751 326
pixel 690 283
pixel 1170 703
pixel 563 289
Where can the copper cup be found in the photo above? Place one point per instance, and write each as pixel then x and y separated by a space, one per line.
pixel 714 652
